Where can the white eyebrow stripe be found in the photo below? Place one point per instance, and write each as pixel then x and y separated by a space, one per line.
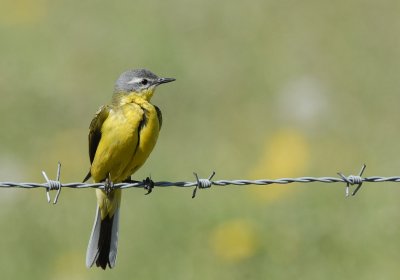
pixel 134 80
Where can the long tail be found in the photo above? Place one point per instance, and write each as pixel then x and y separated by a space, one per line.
pixel 103 242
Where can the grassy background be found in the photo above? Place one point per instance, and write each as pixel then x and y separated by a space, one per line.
pixel 265 89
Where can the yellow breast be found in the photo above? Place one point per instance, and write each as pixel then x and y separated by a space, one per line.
pixel 128 137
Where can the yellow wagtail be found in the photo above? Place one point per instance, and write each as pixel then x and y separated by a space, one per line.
pixel 121 137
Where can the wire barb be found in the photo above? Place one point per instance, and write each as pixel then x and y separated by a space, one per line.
pixel 53 185
pixel 148 185
pixel 353 180
pixel 202 183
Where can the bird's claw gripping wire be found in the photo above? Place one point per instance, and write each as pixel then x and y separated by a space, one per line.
pixel 148 185
pixel 108 184
pixel 353 180
pixel 202 183
pixel 53 185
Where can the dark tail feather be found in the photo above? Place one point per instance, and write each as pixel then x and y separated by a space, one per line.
pixel 103 242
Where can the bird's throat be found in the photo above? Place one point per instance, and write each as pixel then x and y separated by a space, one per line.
pixel 122 98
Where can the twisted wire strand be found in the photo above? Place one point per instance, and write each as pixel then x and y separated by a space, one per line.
pixel 281 181
pixel 202 183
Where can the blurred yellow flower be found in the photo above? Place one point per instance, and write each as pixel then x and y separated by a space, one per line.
pixel 286 154
pixel 22 11
pixel 234 240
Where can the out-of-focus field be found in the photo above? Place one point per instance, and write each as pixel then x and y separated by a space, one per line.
pixel 265 89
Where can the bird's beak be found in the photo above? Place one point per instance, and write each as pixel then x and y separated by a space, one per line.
pixel 164 80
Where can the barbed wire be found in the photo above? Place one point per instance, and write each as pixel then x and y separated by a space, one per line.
pixel 200 183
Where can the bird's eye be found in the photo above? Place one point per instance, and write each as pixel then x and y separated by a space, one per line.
pixel 144 82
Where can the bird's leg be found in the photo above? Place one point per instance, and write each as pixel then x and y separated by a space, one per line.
pixel 108 184
pixel 148 185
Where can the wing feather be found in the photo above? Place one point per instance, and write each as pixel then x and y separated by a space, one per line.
pixel 159 116
pixel 95 133
pixel 95 130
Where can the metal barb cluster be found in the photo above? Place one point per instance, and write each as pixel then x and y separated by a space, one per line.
pixel 53 185
pixel 353 180
pixel 200 183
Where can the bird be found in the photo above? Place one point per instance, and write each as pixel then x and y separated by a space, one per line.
pixel 122 135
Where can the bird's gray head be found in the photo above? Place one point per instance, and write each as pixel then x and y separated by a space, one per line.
pixel 141 81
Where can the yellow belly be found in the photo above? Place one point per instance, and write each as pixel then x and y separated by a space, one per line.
pixel 126 141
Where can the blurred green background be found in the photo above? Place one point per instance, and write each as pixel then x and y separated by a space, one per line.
pixel 265 89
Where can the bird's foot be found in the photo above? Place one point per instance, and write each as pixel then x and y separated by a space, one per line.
pixel 148 185
pixel 108 185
